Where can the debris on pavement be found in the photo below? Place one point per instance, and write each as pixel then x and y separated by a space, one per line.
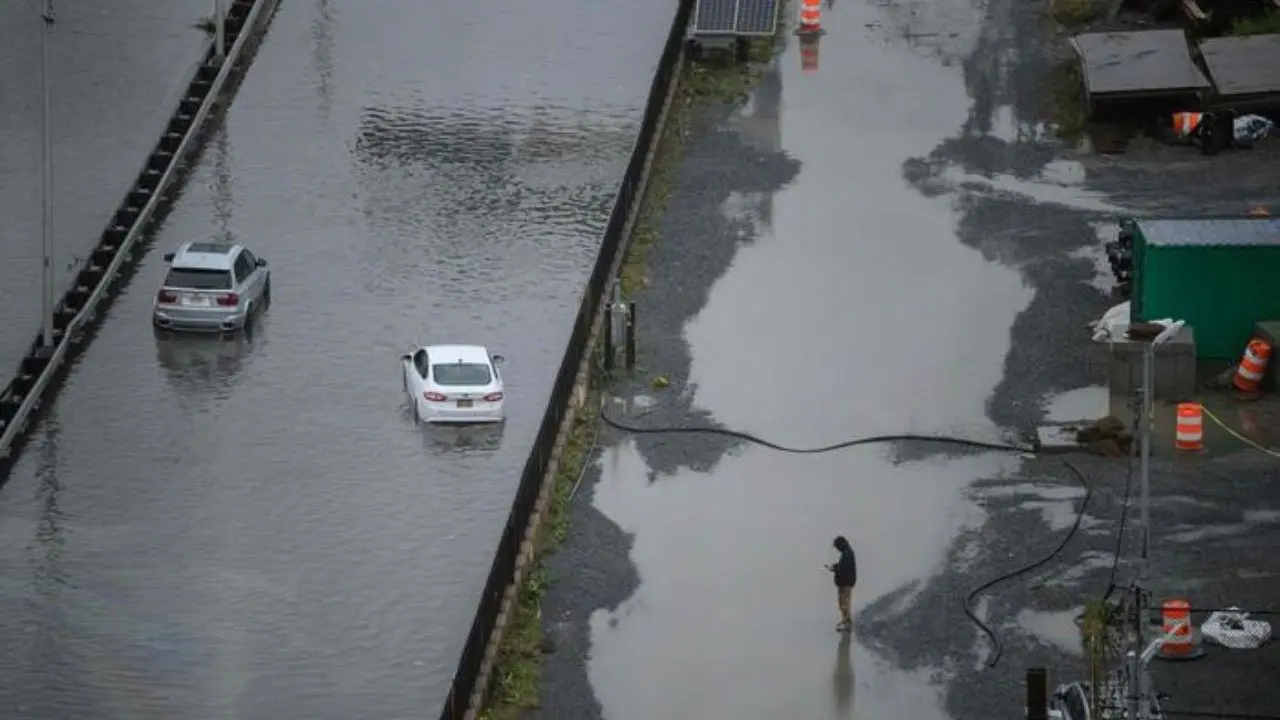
pixel 1233 629
pixel 1249 129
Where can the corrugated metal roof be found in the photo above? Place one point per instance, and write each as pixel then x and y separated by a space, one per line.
pixel 1243 65
pixel 1209 232
pixel 1137 62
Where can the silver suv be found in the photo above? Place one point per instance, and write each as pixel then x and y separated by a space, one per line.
pixel 211 287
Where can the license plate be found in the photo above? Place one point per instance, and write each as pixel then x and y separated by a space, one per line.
pixel 195 301
pixel 464 403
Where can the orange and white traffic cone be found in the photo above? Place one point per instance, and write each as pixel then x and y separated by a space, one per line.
pixel 1253 367
pixel 809 52
pixel 810 17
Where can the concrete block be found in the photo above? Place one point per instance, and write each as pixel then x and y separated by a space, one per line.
pixel 1269 330
pixel 1175 367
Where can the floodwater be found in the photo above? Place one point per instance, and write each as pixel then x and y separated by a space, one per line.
pixel 117 69
pixel 255 527
pixel 854 311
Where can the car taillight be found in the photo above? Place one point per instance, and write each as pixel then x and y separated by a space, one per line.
pixel 434 397
pixel 493 397
pixel 164 296
pixel 229 300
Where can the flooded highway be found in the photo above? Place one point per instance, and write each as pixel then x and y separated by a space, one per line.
pixel 255 527
pixel 107 108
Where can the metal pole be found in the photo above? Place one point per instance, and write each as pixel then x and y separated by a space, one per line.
pixel 46 225
pixel 1147 408
pixel 220 29
pixel 631 336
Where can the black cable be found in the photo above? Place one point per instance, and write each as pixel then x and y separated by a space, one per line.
pixel 738 435
pixel 943 439
pixel 1246 611
pixel 997 644
pixel 1124 515
pixel 1204 714
pixel 1222 715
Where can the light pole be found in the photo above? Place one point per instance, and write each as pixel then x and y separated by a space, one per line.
pixel 46 176
pixel 1137 664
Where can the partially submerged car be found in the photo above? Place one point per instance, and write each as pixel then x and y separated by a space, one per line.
pixel 454 384
pixel 211 287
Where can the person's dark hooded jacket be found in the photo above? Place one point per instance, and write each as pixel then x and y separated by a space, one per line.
pixel 846 568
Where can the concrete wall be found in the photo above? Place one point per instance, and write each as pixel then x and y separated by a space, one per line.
pixel 117 69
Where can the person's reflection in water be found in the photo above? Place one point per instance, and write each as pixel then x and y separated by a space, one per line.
pixel 842 679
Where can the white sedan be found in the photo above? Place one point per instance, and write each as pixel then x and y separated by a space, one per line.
pixel 454 384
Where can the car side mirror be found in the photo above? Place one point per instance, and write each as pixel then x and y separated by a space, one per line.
pixel 261 263
pixel 498 360
pixel 168 257
pixel 406 357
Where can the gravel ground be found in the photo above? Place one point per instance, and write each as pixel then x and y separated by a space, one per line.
pixel 1215 530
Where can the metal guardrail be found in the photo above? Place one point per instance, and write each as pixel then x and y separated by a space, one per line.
pixel 31 399
pixel 630 193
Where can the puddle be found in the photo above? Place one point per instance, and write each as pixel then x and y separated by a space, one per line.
pixel 1086 403
pixel 1051 190
pixel 1054 628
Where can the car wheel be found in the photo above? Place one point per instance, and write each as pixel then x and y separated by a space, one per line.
pixel 266 293
pixel 417 413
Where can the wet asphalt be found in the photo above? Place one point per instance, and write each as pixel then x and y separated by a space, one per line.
pixel 892 243
pixel 255 527
pixel 117 70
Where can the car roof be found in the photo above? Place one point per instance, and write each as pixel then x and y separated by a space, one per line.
pixel 457 353
pixel 205 256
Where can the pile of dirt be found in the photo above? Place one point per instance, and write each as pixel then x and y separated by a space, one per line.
pixel 1106 436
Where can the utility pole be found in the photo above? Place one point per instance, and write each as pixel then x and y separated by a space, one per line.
pixel 219 29
pixel 46 177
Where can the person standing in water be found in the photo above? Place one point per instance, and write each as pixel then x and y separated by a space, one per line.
pixel 845 572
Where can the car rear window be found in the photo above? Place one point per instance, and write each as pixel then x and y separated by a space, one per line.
pixel 196 279
pixel 461 374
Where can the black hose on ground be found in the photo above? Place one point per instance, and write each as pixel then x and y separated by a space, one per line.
pixel 872 440
pixel 997 644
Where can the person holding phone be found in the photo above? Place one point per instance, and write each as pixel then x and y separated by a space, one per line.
pixel 845 572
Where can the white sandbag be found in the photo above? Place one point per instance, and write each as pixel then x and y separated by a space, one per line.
pixel 1249 129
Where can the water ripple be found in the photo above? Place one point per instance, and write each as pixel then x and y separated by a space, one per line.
pixel 256 528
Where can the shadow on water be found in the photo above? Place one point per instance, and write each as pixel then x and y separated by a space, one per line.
pixel 844 678
pixel 738 172
pixel 205 365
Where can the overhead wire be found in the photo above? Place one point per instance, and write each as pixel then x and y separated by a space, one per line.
pixel 997 643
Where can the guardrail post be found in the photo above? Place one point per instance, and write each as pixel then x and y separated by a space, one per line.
pixel 631 336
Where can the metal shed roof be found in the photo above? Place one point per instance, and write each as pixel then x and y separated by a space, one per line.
pixel 1243 65
pixel 1189 232
pixel 1137 62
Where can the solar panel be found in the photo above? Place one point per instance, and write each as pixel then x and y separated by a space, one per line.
pixel 735 17
pixel 757 17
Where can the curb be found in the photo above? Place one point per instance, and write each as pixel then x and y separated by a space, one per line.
pixel 113 259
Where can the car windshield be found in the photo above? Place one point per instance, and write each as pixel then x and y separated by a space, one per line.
pixel 197 279
pixel 461 374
